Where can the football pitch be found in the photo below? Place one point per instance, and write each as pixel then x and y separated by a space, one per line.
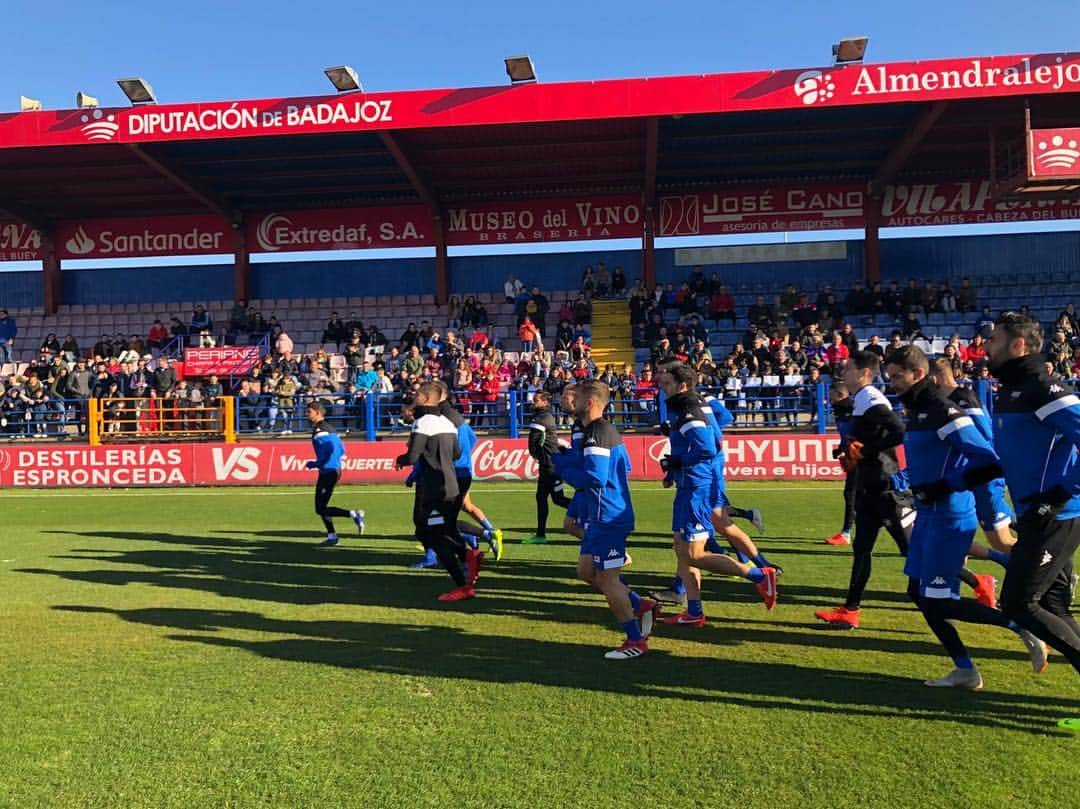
pixel 193 648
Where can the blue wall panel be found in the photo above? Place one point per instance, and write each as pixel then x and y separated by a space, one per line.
pixel 548 270
pixel 342 279
pixel 20 289
pixel 956 256
pixel 206 282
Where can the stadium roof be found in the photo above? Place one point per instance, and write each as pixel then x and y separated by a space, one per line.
pixel 856 126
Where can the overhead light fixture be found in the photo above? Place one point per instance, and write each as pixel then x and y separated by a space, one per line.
pixel 520 69
pixel 344 78
pixel 850 49
pixel 28 104
pixel 82 100
pixel 137 90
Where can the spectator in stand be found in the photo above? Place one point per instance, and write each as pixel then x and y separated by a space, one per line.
pixel 582 311
pixel 365 378
pixel 638 307
pixel 837 354
pixel 103 347
pixel 911 327
pixel 588 281
pixel 895 342
pixel 528 333
pixel 354 353
pixel 690 302
pixel 1059 353
pixel 8 332
pixel 894 300
pixel 164 377
pixel 830 315
pixel 564 337
pixel 797 356
pixel 670 298
pixel 282 342
pixel 661 351
pixel 537 309
pixel 875 346
pixel 816 355
pixel 50 344
pixel 157 337
pixel 1074 367
pixel 789 297
pixel 603 280
pixel 618 282
pixel 375 338
pixel 928 298
pixel 722 306
pixel 985 323
pixel 849 338
pixel 952 356
pixel 335 332
pixel 176 328
pixel 966 297
pixel 238 319
pixel 875 300
pixel 479 340
pixel 413 364
pixel 69 349
pixel 823 296
pixel 700 355
pixel 391 361
pixel 911 296
pixel 1068 323
pixel 855 302
pixel 780 315
pixel 200 319
pixel 512 288
pixel 566 312
pixel 759 315
pixel 976 350
pixel 805 312
pixel 946 299
pixel 409 338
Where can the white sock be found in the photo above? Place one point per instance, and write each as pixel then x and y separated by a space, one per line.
pixel 354 514
pixel 331 536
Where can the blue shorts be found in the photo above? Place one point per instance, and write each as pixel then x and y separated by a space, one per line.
pixel 718 494
pixel 691 514
pixel 991 506
pixel 936 553
pixel 606 544
pixel 576 509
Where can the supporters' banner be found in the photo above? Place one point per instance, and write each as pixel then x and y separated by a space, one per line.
pixel 765 210
pixel 1053 153
pixel 768 456
pixel 220 361
pixel 340 229
pixel 144 236
pixel 933 80
pixel 547 220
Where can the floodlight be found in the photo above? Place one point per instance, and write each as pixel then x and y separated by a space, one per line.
pixel 520 69
pixel 850 49
pixel 137 90
pixel 344 78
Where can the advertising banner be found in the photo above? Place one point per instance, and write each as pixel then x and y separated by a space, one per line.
pixel 220 361
pixel 1053 153
pixel 766 456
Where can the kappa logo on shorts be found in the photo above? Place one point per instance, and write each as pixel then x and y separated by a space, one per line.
pixel 613 554
pixel 938 580
pixel 1047 558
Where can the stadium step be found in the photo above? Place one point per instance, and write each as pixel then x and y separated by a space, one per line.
pixel 611 333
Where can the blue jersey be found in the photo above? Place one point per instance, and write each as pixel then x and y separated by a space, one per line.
pixel 1036 433
pixel 693 443
pixel 328 447
pixel 968 401
pixel 463 465
pixel 843 415
pixel 600 472
pixel 944 449
pixel 719 417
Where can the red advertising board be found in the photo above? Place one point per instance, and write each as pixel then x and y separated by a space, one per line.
pixel 933 80
pixel 1053 153
pixel 768 456
pixel 340 229
pixel 546 220
pixel 764 210
pixel 220 361
pixel 145 236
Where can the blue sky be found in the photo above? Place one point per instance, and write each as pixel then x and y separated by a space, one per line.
pixel 200 50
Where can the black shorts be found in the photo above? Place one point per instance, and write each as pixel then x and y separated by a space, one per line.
pixel 324 488
pixel 464 484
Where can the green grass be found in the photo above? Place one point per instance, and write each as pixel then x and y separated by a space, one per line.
pixel 192 648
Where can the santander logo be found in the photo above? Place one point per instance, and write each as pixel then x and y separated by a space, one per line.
pixel 80 244
pixel 1057 153
pixel 99 126
pixel 814 87
pixel 513 463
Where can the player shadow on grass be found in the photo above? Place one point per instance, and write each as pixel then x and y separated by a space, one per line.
pixel 449 652
pixel 537 590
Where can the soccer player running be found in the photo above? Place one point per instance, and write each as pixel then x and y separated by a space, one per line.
pixel 600 471
pixel 1036 434
pixel 543 445
pixel 947 457
pixel 573 522
pixel 843 407
pixel 433 448
pixel 691 467
pixel 991 506
pixel 882 498
pixel 464 467
pixel 328 454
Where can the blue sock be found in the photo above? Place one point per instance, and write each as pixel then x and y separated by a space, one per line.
pixel 635 600
pixel 430 558
pixel 633 631
pixel 693 606
pixel 999 557
pixel 964 662
pixel 761 561
pixel 755 575
pixel 712 546
pixel 472 540
pixel 484 522
pixel 678 587
pixel 742 557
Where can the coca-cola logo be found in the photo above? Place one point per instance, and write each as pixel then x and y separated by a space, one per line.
pixel 5 460
pixel 496 461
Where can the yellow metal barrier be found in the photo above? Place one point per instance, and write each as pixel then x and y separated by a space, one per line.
pixel 118 420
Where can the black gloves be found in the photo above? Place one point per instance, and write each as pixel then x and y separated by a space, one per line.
pixel 670 464
pixel 931 492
